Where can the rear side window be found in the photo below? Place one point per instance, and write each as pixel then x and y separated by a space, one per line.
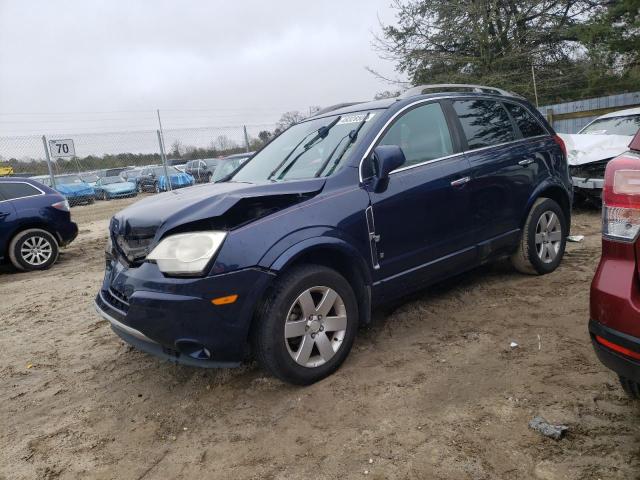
pixel 422 133
pixel 484 122
pixel 12 191
pixel 527 123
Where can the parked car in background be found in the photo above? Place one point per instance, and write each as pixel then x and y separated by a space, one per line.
pixel 595 145
pixel 202 170
pixel 6 171
pixel 72 187
pixel 177 163
pixel 615 298
pixel 131 175
pixel 34 223
pixel 114 187
pixel 345 211
pixel 230 164
pixel 153 179
pixel 89 178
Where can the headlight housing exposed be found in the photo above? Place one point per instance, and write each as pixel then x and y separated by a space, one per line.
pixel 187 253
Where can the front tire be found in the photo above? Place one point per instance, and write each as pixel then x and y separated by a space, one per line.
pixel 307 325
pixel 33 249
pixel 543 240
pixel 156 187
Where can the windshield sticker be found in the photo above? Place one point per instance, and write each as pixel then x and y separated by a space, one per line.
pixel 357 118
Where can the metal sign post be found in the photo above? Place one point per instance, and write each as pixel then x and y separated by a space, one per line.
pixel 246 138
pixel 164 160
pixel 46 152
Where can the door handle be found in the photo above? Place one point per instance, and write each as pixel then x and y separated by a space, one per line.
pixel 3 214
pixel 460 181
pixel 526 161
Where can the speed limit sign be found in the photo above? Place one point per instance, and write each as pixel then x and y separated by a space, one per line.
pixel 62 148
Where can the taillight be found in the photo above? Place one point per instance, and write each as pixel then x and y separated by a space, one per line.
pixel 63 205
pixel 621 198
pixel 561 144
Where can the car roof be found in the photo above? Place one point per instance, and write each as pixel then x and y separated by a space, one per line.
pixel 404 100
pixel 621 113
pixel 19 179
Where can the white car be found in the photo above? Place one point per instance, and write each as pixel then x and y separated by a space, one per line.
pixel 591 148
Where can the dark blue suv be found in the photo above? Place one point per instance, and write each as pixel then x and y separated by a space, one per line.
pixel 34 223
pixel 342 212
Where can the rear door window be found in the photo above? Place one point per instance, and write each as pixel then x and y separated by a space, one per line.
pixel 485 123
pixel 422 133
pixel 12 191
pixel 527 123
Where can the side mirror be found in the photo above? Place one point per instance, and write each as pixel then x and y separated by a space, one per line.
pixel 385 159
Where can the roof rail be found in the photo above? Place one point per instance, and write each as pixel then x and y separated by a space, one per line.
pixel 422 89
pixel 334 107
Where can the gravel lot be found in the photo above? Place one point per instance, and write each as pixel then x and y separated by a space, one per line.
pixel 431 391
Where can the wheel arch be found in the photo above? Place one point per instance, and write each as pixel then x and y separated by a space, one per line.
pixel 555 192
pixel 337 254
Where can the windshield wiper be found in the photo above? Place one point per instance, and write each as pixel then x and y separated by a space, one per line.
pixel 353 135
pixel 321 134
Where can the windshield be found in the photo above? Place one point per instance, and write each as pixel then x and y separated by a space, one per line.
pixel 628 126
pixel 108 180
pixel 307 150
pixel 224 168
pixel 131 173
pixel 90 178
pixel 68 179
pixel 159 171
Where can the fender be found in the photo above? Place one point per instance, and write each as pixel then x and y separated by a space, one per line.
pixel 291 247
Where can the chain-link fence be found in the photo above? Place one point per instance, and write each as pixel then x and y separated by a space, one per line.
pixel 102 166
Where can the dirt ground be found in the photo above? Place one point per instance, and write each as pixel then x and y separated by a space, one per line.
pixel 431 391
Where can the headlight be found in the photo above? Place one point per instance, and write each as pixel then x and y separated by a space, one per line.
pixel 187 253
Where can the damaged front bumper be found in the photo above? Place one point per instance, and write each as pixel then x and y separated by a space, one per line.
pixel 588 183
pixel 175 319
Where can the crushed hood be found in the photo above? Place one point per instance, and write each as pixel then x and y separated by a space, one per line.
pixel 586 148
pixel 157 214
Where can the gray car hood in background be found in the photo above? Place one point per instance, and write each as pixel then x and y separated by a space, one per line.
pixel 586 148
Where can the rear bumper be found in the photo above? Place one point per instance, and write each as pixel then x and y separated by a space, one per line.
pixel 68 233
pixel 621 364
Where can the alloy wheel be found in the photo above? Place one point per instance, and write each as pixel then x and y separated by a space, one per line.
pixel 548 236
pixel 36 251
pixel 315 326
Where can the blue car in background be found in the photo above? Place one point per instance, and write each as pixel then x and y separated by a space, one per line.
pixel 114 187
pixel 72 187
pixel 153 179
pixel 350 209
pixel 34 223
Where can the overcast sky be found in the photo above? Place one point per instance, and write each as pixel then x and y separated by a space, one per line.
pixel 83 66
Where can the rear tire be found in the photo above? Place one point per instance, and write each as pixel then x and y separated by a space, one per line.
pixel 631 388
pixel 543 239
pixel 307 325
pixel 33 249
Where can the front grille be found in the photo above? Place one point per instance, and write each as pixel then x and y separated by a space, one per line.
pixel 116 299
pixel 589 170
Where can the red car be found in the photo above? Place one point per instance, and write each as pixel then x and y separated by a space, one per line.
pixel 615 290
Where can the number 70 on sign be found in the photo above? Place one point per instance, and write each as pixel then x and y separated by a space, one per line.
pixel 62 148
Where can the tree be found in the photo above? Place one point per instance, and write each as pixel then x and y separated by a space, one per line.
pixel 496 42
pixel 265 136
pixel 177 150
pixel 289 118
pixel 224 143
